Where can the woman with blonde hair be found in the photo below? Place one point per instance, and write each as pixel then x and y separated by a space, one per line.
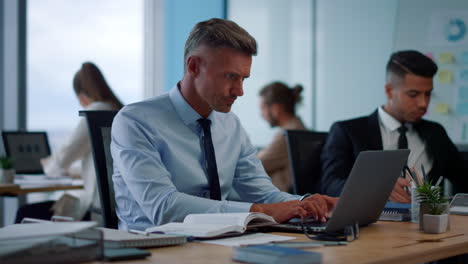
pixel 93 93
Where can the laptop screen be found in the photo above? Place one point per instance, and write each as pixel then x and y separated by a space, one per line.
pixel 26 149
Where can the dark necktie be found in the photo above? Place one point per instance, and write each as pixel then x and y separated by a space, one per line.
pixel 402 140
pixel 212 169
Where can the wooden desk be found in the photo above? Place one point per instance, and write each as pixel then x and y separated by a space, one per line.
pixel 21 191
pixel 379 243
pixel 15 189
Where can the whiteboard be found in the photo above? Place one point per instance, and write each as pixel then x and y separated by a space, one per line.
pixel 440 30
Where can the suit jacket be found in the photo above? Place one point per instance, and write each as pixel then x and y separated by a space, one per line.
pixel 348 138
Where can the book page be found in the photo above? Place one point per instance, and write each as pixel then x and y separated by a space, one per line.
pixel 240 219
pixel 259 219
pixel 224 219
pixel 196 230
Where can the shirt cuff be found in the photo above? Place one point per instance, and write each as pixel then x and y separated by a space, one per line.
pixel 293 197
pixel 237 207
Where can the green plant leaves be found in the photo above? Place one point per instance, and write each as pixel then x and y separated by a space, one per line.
pixel 6 163
pixel 432 196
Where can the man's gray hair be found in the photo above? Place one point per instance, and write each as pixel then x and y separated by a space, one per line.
pixel 220 33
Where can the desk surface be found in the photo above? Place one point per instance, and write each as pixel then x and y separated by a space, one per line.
pixel 382 242
pixel 15 189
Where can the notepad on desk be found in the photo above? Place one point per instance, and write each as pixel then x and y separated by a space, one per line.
pixel 114 238
pixel 396 212
pixel 213 225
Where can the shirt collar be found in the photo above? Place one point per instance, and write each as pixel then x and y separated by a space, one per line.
pixel 188 115
pixel 387 120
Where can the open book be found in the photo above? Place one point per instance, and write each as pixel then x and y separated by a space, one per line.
pixel 212 225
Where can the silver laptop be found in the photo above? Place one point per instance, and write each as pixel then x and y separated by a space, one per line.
pixel 26 149
pixel 365 193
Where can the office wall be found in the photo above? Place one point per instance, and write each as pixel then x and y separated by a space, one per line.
pixel 283 31
pixel 179 18
pixel 426 29
pixel 354 40
pixel 12 81
pixel 2 69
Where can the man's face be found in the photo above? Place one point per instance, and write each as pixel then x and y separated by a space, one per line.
pixel 409 99
pixel 267 113
pixel 220 77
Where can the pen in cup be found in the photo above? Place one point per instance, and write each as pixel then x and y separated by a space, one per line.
pixel 410 175
pixel 418 176
pixel 423 172
pixel 439 181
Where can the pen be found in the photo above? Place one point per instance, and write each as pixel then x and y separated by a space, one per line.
pixel 439 181
pixel 423 172
pixel 420 180
pixel 410 174
pixel 308 244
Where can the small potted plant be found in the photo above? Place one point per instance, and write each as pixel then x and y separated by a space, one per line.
pixel 7 172
pixel 433 208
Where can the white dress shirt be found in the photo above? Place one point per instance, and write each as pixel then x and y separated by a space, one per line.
pixel 76 203
pixel 159 166
pixel 389 131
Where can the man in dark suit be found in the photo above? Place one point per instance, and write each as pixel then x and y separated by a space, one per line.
pixel 396 125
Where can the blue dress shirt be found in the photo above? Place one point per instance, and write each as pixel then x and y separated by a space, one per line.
pixel 159 166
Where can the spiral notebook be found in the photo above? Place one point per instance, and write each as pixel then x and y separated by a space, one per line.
pixel 396 212
pixel 114 238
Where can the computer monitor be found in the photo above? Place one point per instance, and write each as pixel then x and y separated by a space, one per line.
pixel 26 149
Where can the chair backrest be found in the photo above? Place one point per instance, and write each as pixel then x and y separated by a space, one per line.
pixel 99 126
pixel 304 148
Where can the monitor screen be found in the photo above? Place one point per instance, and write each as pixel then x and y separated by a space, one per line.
pixel 26 149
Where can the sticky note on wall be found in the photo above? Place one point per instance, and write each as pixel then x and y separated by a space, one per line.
pixel 462 109
pixel 464 75
pixel 446 58
pixel 464 58
pixel 430 55
pixel 463 94
pixel 445 77
pixel 442 109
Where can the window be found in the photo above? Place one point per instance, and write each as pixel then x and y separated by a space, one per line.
pixel 61 35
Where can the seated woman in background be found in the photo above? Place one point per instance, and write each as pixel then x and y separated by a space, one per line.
pixel 93 93
pixel 277 103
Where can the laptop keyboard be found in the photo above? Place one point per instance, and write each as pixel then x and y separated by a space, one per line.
pixel 309 222
pixel 294 225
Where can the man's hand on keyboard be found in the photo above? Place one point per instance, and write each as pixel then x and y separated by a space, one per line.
pixel 316 206
pixel 319 206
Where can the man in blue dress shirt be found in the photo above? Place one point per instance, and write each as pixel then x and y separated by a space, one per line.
pixel 164 167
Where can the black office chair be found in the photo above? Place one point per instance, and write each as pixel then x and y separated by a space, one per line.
pixel 304 148
pixel 99 126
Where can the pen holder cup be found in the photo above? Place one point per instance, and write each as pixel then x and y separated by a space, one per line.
pixel 414 205
pixel 7 176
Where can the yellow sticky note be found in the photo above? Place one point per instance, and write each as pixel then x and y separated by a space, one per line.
pixel 445 77
pixel 442 109
pixel 446 58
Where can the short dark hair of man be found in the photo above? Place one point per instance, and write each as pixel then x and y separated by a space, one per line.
pixel 280 93
pixel 220 33
pixel 411 62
